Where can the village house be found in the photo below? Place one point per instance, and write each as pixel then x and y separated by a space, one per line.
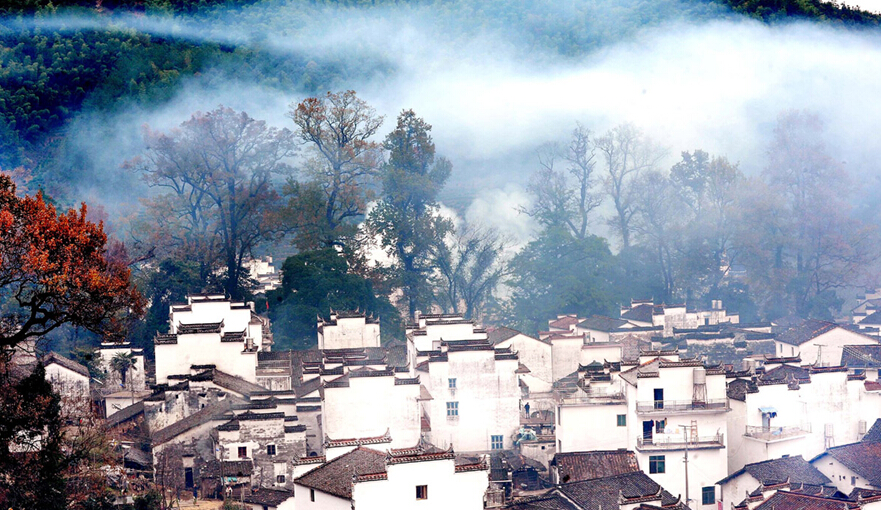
pixel 348 330
pixel 855 465
pixel 473 397
pixel 818 342
pixel 678 410
pixel 591 411
pixel 627 491
pixel 211 330
pixel 534 354
pixel 645 313
pixel 753 478
pixel 365 478
pixel 785 408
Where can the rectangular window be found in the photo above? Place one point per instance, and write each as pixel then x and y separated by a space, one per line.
pixel 708 495
pixel 496 442
pixel 280 479
pixel 311 494
pixel 622 420
pixel 659 398
pixel 452 409
pixel 270 449
pixel 656 464
pixel 421 492
pixel 853 480
pixel 452 383
pixel 243 452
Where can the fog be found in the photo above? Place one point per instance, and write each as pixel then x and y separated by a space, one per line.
pixel 493 96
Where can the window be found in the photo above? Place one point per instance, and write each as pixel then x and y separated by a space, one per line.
pixel 656 464
pixel 243 452
pixel 659 398
pixel 853 480
pixel 311 494
pixel 280 479
pixel 452 383
pixel 452 409
pixel 496 442
pixel 622 420
pixel 421 492
pixel 708 495
pixel 660 425
pixel 270 449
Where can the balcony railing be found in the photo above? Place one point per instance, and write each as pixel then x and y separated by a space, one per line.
pixel 775 433
pixel 594 398
pixel 665 406
pixel 679 442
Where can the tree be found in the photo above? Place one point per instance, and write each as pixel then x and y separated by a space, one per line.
pixel 566 201
pixel 218 169
pixel 802 245
pixel 313 284
pixel 407 219
pixel 626 153
pixel 471 267
pixel 58 269
pixel 122 364
pixel 558 273
pixel 341 163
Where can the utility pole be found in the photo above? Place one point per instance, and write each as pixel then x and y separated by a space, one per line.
pixel 685 461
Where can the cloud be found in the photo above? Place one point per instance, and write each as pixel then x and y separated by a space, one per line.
pixel 493 96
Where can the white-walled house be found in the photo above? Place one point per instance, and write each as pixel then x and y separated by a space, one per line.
pixel 475 396
pixel 788 409
pixel 70 380
pixel 592 413
pixel 855 465
pixel 348 330
pixel 678 408
pixel 818 342
pixel 534 353
pixel 645 313
pixel 794 469
pixel 367 479
pixel 598 328
pixel 367 402
pixel 211 330
pixel 431 329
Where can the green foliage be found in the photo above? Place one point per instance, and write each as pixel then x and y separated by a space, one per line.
pixel 313 284
pixel 557 274
pixel 168 283
pixel 779 10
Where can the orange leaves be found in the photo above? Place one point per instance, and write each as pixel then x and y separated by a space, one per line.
pixel 54 270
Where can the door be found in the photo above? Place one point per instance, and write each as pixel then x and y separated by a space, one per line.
pixel 648 428
pixel 188 478
pixel 659 398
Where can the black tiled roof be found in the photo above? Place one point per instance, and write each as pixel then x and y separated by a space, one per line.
pixel 861 356
pixel 336 476
pixel 863 458
pixel 795 469
pixel 603 493
pixel 578 466
pixel 601 323
pixel 267 497
pixel 806 331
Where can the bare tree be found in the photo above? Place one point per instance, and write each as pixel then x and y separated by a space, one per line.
pixel 169 469
pixel 470 266
pixel 342 163
pixel 566 197
pixel 626 153
pixel 218 169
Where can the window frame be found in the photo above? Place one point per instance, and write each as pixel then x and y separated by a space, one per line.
pixel 451 383
pixel 622 420
pixel 281 479
pixel 708 495
pixel 421 490
pixel 657 464
pixel 273 452
pixel 497 442
pixel 243 452
pixel 453 408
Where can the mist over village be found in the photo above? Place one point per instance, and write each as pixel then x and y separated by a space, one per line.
pixel 464 254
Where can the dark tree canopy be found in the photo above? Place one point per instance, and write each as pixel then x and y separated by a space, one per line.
pixel 313 284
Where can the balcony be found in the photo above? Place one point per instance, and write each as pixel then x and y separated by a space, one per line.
pixel 679 442
pixel 777 433
pixel 594 398
pixel 678 406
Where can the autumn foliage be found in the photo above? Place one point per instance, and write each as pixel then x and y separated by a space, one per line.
pixel 57 269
